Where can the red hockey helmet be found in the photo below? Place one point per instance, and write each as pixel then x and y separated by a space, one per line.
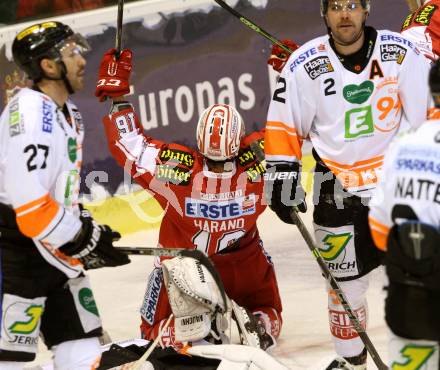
pixel 219 132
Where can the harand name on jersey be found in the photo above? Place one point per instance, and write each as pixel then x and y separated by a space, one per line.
pixel 318 66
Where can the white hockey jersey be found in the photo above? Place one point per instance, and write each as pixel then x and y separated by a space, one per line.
pixel 349 117
pixel 411 179
pixel 40 162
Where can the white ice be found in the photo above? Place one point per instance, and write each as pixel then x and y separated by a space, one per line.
pixel 305 341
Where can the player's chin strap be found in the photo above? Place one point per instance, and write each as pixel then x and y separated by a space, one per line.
pixel 63 78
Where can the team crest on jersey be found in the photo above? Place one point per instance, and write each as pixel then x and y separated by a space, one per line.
pixel 392 53
pixel 173 174
pixel 318 66
pixel 424 16
pixel 15 123
pixel 177 156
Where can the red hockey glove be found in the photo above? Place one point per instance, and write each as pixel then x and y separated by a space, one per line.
pixel 114 74
pixel 279 57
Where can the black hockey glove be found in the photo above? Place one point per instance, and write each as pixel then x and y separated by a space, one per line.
pixel 93 246
pixel 284 193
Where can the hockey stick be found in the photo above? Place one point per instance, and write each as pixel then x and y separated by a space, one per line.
pixel 330 278
pixel 118 41
pixel 181 252
pixel 247 22
pixel 138 364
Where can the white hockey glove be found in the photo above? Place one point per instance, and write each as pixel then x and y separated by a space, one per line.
pixel 194 297
pixel 237 357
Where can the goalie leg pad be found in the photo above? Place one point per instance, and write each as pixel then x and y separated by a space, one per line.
pixel 81 354
pixel 194 297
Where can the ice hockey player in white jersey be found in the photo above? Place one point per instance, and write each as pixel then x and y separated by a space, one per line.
pixel 404 220
pixel 45 243
pixel 349 93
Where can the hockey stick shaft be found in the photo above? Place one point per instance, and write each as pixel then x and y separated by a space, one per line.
pixel 329 276
pixel 181 252
pixel 138 364
pixel 339 292
pixel 247 22
pixel 118 41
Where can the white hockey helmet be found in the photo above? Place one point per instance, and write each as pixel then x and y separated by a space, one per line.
pixel 219 132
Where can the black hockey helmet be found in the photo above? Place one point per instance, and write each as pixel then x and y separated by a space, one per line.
pixel 43 40
pixel 324 6
pixel 434 81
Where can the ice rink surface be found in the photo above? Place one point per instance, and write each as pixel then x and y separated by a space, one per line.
pixel 305 341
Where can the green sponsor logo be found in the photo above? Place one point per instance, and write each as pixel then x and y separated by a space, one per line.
pixel 72 149
pixel 416 357
pixel 358 94
pixel 87 300
pixel 334 244
pixel 34 313
pixel 358 122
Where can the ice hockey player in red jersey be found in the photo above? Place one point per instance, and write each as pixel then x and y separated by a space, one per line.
pixel 211 198
pixel 423 27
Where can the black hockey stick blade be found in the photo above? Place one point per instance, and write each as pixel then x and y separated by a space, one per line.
pixel 247 22
pixel 118 41
pixel 181 252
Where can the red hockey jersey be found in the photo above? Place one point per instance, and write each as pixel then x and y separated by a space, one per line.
pixel 423 28
pixel 202 209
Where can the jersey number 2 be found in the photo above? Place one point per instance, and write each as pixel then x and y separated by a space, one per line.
pixel 329 85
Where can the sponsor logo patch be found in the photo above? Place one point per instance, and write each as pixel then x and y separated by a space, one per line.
pixel 47 117
pixel 15 123
pixel 173 174
pixel 358 94
pixel 424 16
pixel 318 66
pixel 341 326
pixel 177 156
pixel 392 53
pixel 197 208
pixel 400 40
pixel 336 245
pixel 72 149
pixel 86 299
pixel 407 21
pixel 255 171
pixel 359 122
pixel 306 55
pixel 149 305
